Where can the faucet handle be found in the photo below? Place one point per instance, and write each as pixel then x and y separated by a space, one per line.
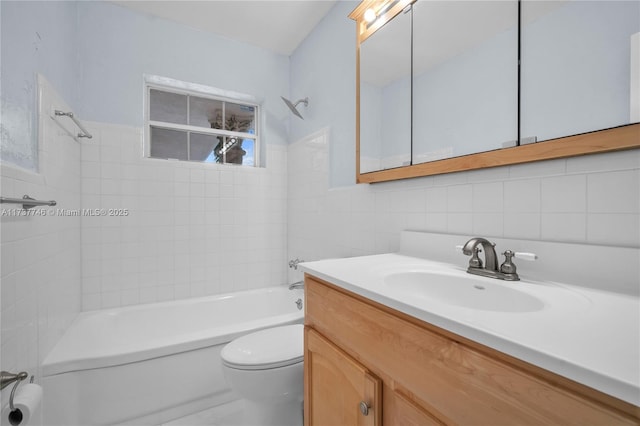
pixel 508 266
pixel 525 256
pixel 475 261
pixel 293 264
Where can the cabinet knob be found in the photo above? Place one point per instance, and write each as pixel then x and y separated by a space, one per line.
pixel 364 408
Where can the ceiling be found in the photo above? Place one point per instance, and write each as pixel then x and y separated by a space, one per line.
pixel 279 26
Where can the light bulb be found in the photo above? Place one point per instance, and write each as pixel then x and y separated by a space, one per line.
pixel 370 15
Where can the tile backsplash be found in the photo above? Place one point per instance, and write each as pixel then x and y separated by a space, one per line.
pixel 587 200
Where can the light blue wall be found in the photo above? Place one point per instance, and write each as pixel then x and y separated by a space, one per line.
pixel 37 37
pixel 118 46
pixel 323 68
pixel 96 53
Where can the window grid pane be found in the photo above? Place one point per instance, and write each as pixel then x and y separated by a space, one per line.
pixel 240 118
pixel 167 107
pixel 169 144
pixel 202 146
pixel 204 112
pixel 174 117
pixel 249 145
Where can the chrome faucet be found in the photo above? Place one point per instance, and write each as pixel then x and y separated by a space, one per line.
pixel 490 258
pixel 293 264
pixel 296 286
pixel 506 271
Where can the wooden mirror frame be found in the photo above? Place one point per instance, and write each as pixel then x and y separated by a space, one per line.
pixel 608 140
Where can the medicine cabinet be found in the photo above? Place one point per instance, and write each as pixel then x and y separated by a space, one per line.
pixel 446 86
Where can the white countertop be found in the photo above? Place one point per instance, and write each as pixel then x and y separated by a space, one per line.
pixel 587 335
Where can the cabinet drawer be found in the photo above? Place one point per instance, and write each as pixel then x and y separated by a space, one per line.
pixel 452 378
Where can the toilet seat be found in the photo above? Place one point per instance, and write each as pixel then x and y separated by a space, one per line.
pixel 266 349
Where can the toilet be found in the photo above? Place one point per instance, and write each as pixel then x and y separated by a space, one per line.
pixel 265 368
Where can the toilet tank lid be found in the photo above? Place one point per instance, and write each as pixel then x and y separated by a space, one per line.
pixel 268 348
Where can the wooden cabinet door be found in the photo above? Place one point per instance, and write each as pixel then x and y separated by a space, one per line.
pixel 336 387
pixel 400 410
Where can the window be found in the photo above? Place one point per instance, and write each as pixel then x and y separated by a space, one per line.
pixel 190 122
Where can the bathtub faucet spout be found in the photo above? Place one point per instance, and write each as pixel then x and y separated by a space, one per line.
pixel 295 286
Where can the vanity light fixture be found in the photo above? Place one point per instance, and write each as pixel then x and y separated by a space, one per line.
pixel 377 10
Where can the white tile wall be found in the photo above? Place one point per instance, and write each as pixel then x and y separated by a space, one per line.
pixel 192 229
pixel 592 199
pixel 40 254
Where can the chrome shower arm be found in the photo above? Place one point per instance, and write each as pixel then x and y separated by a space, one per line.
pixel 305 101
pixel 292 106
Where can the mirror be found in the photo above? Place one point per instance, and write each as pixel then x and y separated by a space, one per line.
pixel 576 73
pixel 472 107
pixel 465 86
pixel 385 96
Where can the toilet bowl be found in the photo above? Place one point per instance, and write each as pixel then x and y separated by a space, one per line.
pixel 265 368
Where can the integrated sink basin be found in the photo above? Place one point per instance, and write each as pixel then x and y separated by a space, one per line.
pixel 464 290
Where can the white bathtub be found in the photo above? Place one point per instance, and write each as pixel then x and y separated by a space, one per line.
pixel 148 364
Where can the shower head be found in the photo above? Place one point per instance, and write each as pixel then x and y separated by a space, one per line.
pixel 293 106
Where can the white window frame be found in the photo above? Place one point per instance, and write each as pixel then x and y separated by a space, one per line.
pixel 185 88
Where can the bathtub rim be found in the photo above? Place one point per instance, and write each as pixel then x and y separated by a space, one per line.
pixel 58 361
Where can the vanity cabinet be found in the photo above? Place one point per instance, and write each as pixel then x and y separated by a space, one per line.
pixel 427 375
